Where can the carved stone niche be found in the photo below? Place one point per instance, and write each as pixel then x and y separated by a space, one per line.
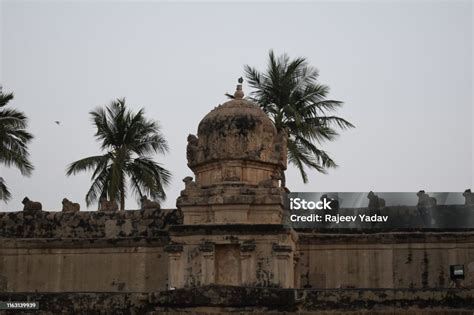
pixel 283 265
pixel 248 262
pixel 175 265
pixel 207 250
pixel 228 265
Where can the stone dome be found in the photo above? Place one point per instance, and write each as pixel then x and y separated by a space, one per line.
pixel 237 130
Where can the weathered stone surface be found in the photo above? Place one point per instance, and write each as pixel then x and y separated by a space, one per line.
pixel 149 204
pixel 469 197
pixel 107 205
pixel 368 259
pixel 83 265
pixel 236 130
pixel 324 258
pixel 69 206
pixel 29 205
pixel 424 200
pixel 86 224
pixel 237 159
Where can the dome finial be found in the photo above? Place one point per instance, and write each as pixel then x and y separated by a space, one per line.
pixel 239 93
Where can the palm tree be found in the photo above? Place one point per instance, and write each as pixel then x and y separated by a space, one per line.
pixel 129 140
pixel 288 92
pixel 14 141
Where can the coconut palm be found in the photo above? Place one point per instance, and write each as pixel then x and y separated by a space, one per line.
pixel 14 141
pixel 128 140
pixel 290 95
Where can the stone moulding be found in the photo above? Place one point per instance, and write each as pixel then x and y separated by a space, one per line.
pixel 207 247
pixel 173 248
pixel 282 248
pixel 247 247
pixel 224 229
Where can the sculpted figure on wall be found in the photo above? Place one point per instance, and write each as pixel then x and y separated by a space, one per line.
pixel 69 206
pixel 230 175
pixel 192 149
pixel 29 205
pixel 375 202
pixel 424 200
pixel 189 183
pixel 469 197
pixel 147 204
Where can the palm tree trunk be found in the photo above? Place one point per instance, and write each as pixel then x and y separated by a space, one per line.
pixel 122 198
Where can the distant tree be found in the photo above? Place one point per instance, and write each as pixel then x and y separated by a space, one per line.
pixel 14 141
pixel 288 92
pixel 129 141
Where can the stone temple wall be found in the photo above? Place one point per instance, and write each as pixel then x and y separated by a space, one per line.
pixel 83 265
pixel 377 259
pixel 84 251
pixel 125 252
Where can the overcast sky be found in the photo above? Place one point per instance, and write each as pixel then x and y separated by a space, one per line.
pixel 404 71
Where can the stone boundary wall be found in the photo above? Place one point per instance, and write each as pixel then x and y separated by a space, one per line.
pixel 86 251
pixel 87 224
pixel 241 300
pixel 369 259
pixel 130 264
pixel 150 223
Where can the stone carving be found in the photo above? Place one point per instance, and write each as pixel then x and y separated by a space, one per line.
pixel 469 197
pixel 424 200
pixel 107 205
pixel 375 202
pixel 147 204
pixel 29 205
pixel 217 176
pixel 69 206
pixel 189 182
pixel 192 148
pixel 333 203
pixel 230 175
pixel 272 182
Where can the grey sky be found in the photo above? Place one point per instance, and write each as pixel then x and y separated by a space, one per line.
pixel 404 70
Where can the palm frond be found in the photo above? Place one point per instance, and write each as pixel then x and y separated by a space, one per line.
pixel 87 164
pixel 14 138
pixel 128 139
pixel 98 188
pixel 289 93
pixel 5 194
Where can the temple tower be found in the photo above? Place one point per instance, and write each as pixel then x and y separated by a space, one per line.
pixel 232 232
